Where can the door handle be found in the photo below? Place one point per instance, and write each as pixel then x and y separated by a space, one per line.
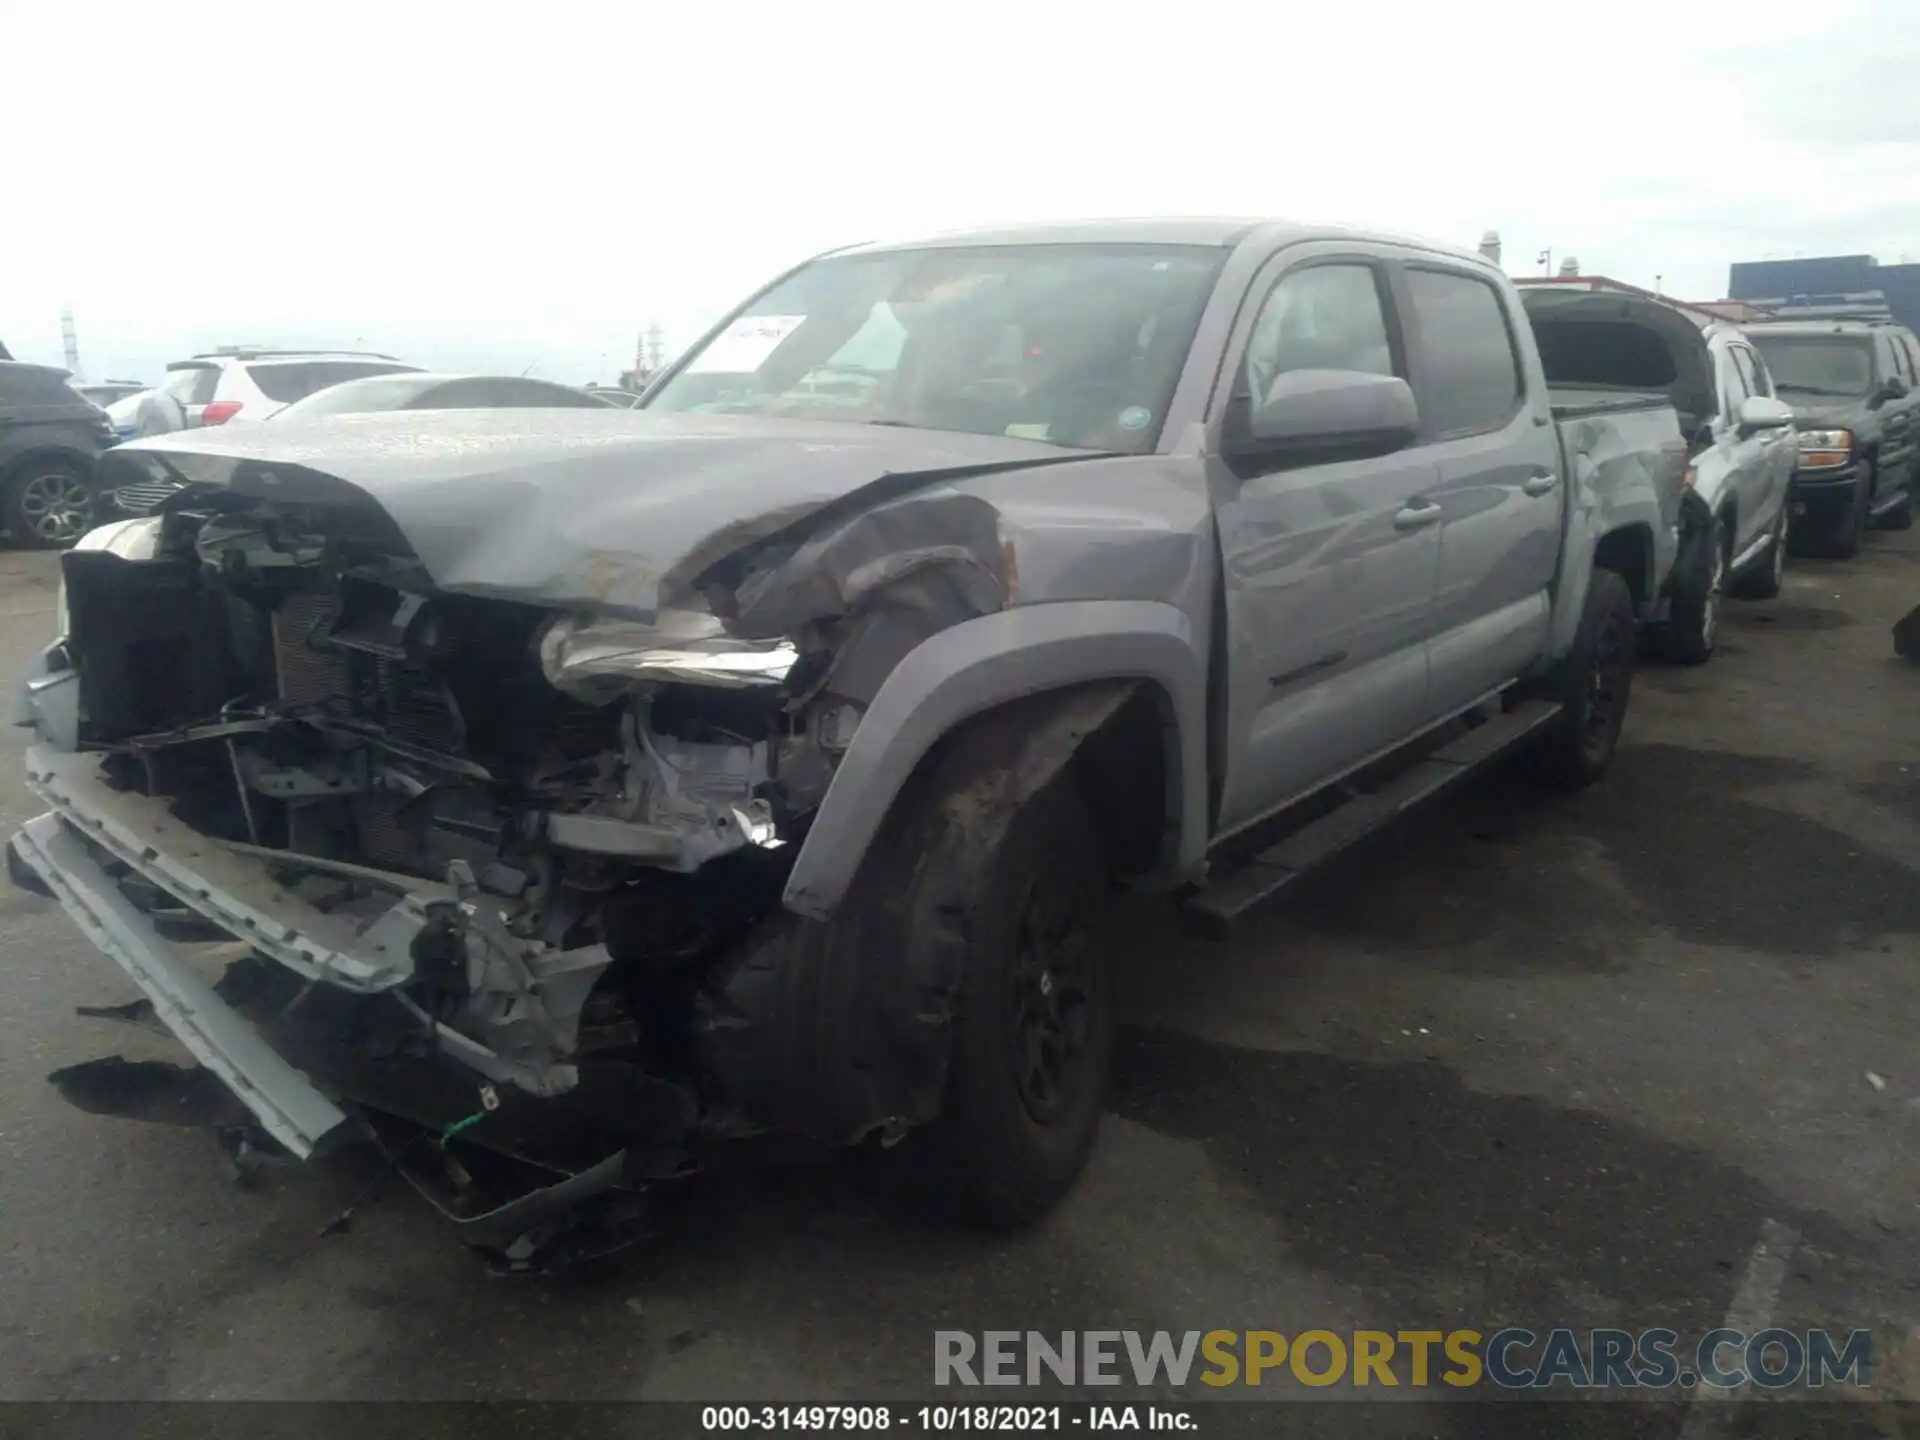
pixel 1416 515
pixel 1541 483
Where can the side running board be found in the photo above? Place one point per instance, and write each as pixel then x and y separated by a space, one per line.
pixel 1232 897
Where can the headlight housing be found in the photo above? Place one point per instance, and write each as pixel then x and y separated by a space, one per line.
pixel 596 660
pixel 1825 449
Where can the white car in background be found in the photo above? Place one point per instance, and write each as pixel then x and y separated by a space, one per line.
pixel 244 383
pixel 105 393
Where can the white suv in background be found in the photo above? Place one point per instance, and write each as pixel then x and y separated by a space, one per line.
pixel 244 383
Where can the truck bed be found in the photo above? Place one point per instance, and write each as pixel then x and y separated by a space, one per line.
pixel 1571 402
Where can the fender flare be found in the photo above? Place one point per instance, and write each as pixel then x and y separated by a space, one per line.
pixel 984 663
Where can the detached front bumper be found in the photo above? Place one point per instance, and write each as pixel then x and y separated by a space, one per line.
pixel 288 1105
pixel 94 837
pixel 568 1192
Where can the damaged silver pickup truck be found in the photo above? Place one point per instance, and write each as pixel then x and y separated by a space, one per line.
pixel 597 798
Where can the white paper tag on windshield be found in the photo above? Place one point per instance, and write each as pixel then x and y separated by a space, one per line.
pixel 743 347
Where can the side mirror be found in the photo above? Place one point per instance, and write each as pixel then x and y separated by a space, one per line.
pixel 1331 414
pixel 1894 389
pixel 1762 412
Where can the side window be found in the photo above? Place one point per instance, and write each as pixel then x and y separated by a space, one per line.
pixel 1736 380
pixel 1320 317
pixel 194 385
pixel 1903 348
pixel 1470 372
pixel 1884 353
pixel 1760 377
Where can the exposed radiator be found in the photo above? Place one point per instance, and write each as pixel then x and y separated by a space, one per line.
pixel 402 698
pixel 308 670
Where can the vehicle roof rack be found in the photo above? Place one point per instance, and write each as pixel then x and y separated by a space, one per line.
pixel 1837 321
pixel 260 352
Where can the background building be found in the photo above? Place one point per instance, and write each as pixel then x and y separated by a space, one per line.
pixel 1849 286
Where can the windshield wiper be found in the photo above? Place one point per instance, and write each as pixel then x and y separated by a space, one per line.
pixel 1815 390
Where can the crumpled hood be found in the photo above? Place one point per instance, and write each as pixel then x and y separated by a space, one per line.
pixel 571 507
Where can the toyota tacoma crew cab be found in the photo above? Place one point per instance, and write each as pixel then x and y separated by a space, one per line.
pixel 607 797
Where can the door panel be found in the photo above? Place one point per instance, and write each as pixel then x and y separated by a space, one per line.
pixel 1498 484
pixel 1328 605
pixel 1763 460
pixel 1329 569
pixel 1744 460
pixel 1491 648
pixel 1780 451
pixel 1897 416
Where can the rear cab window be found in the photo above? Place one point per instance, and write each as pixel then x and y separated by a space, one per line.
pixel 290 380
pixel 1469 381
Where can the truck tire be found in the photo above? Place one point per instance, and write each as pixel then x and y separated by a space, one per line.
pixel 1033 1020
pixel 1900 517
pixel 1693 616
pixel 1593 685
pixel 1843 542
pixel 1763 581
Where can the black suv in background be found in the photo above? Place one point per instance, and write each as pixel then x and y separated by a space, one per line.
pixel 1854 386
pixel 49 439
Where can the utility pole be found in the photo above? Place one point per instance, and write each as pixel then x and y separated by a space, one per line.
pixel 656 348
pixel 70 338
pixel 1545 261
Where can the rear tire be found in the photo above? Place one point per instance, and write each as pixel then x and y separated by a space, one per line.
pixel 48 503
pixel 1593 685
pixel 1693 617
pixel 1033 1021
pixel 1763 581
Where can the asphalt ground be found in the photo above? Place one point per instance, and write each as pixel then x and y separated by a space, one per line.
pixel 1519 1061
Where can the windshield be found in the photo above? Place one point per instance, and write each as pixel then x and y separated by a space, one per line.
pixel 1076 345
pixel 1818 366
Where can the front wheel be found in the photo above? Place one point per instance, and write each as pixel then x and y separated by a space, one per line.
pixel 1763 581
pixel 1593 685
pixel 48 503
pixel 1694 616
pixel 1033 1021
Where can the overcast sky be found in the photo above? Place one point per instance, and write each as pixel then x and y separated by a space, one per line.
pixel 501 186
